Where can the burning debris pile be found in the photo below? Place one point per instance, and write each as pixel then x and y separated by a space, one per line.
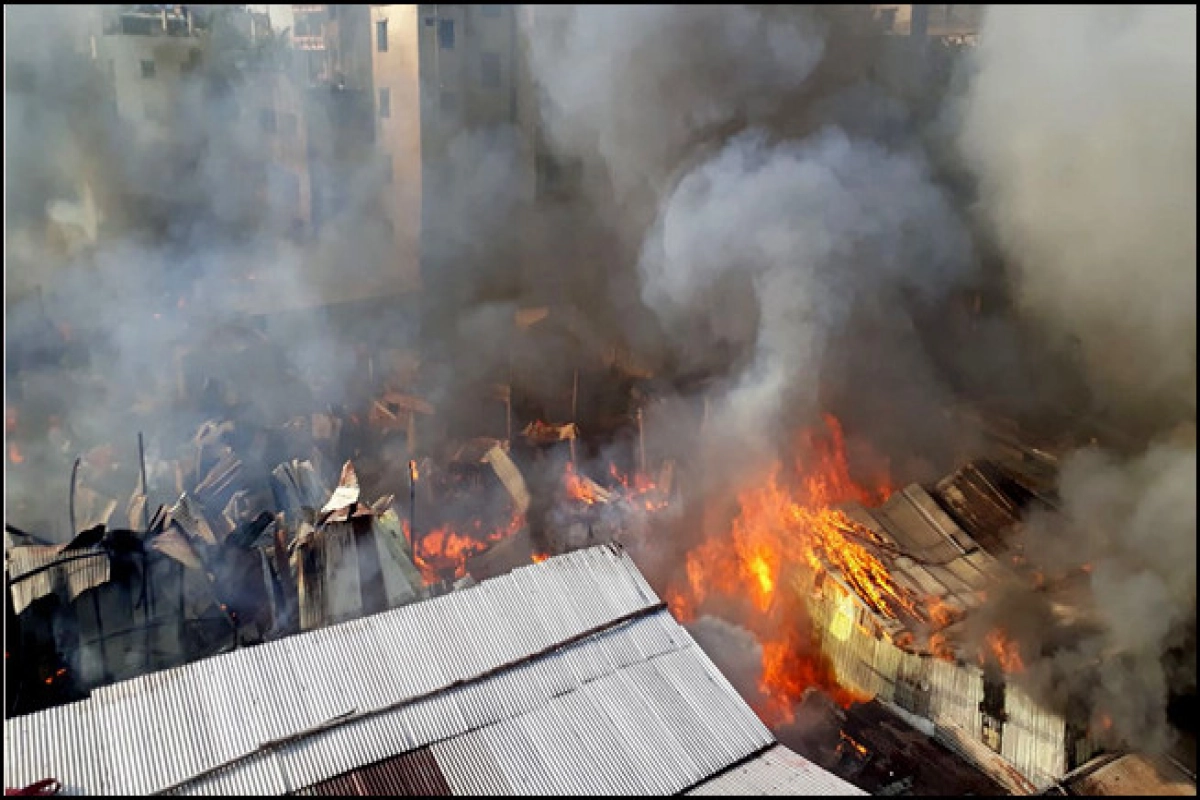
pixel 263 538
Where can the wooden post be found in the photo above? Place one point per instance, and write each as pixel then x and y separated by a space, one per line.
pixel 412 508
pixel 641 444
pixel 574 409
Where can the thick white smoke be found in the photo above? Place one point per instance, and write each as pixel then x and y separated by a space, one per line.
pixel 814 227
pixel 1080 123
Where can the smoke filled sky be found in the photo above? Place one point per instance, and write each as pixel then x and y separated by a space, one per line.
pixel 1080 124
pixel 772 205
pixel 792 230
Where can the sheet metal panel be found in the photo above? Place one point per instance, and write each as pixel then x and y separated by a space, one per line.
pixel 610 756
pixel 414 774
pixel 777 771
pixel 620 649
pixel 258 776
pixel 639 741
pixel 34 749
pixel 470 767
pixel 955 693
pixel 68 579
pixel 737 728
pixel 478 624
pixel 566 771
pixel 518 758
pixel 699 745
pixel 644 727
pixel 396 633
pixel 1034 739
pixel 352 650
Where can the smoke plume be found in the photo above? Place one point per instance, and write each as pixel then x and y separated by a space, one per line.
pixel 1080 125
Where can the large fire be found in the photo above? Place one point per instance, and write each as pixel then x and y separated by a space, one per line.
pixel 786 526
pixel 1001 648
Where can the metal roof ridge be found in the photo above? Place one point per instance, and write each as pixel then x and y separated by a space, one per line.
pixel 355 716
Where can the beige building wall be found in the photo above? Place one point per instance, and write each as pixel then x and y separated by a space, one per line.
pixel 144 74
pixel 943 21
pixel 395 78
pixel 274 116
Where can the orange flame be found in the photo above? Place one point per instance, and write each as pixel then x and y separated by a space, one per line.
pixel 940 648
pixel 1004 650
pixel 941 613
pixel 849 745
pixel 640 491
pixel 577 488
pixel 782 530
pixel 10 419
pixel 539 557
pixel 444 551
pixel 14 453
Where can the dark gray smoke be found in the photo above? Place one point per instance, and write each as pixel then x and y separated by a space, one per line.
pixel 795 237
pixel 1080 124
pixel 761 167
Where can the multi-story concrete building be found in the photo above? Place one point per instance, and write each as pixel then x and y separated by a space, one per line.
pixel 957 23
pixel 400 82
pixel 155 65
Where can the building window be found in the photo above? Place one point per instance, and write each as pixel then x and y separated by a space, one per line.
pixel 266 120
pixel 385 103
pixel 148 68
pixel 446 34
pixel 430 21
pixel 381 35
pixel 491 9
pixel 992 710
pixel 193 61
pixel 448 102
pixel 288 125
pixel 490 70
pixel 888 17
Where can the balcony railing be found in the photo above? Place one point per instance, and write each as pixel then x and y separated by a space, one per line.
pixel 308 42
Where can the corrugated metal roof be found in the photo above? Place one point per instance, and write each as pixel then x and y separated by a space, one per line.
pixel 776 771
pixel 68 574
pixel 414 774
pixel 1131 774
pixel 567 676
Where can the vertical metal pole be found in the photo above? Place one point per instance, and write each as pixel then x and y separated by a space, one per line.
pixel 95 593
pixel 145 489
pixel 71 501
